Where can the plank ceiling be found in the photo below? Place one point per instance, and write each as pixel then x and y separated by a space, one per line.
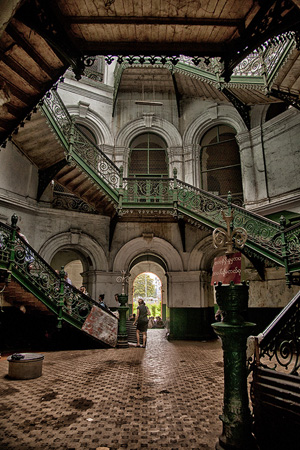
pixel 39 39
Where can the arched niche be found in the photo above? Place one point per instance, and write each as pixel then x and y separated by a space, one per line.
pixel 202 255
pixel 73 262
pixel 143 246
pixel 89 252
pixel 75 240
pixel 149 123
pixel 89 118
pixel 216 115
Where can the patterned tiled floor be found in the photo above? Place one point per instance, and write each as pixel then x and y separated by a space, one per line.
pixel 167 396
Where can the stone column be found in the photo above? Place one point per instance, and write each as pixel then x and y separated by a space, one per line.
pixel 233 330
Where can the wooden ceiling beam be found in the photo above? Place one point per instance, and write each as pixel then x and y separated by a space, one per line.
pixel 16 91
pixel 147 20
pixel 48 31
pixel 21 42
pixel 12 109
pixel 4 123
pixel 20 70
pixel 147 48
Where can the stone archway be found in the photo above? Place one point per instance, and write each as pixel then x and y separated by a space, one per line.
pixel 144 264
pixel 86 116
pixel 89 252
pixel 152 252
pixel 148 245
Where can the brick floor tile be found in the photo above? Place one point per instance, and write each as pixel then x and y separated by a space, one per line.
pixel 164 397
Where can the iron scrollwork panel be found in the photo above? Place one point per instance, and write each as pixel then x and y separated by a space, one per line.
pixel 201 203
pixel 75 304
pixel 142 190
pixel 260 230
pixel 293 245
pixel 37 271
pixel 283 348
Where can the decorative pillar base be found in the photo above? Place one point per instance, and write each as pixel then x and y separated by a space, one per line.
pixel 122 341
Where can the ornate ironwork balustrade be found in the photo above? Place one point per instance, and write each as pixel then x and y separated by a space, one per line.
pixel 148 192
pixel 263 234
pixel 19 260
pixel 279 348
pixel 78 148
pixel 292 238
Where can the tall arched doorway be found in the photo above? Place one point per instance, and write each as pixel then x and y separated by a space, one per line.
pixel 156 269
pixel 148 286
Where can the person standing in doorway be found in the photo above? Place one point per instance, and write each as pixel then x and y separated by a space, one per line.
pixel 142 322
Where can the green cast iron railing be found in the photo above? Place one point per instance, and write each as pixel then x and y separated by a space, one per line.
pixel 78 148
pixel 279 346
pixel 20 261
pixel 261 231
pixel 266 238
pixel 148 191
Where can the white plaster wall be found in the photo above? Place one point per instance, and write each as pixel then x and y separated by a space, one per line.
pixel 271 163
pixel 191 109
pixel 189 290
pixel 14 166
pixel 127 110
pixel 99 99
pixel 252 167
pixel 273 292
pixel 282 149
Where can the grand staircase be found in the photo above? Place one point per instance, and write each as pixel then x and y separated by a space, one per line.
pixel 28 281
pixel 84 170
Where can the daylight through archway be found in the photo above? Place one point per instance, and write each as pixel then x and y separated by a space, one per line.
pixel 148 286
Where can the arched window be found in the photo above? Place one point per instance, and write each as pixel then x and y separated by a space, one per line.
pixel 220 162
pixel 148 156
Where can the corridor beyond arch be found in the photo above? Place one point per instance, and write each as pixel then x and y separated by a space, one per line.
pixel 145 264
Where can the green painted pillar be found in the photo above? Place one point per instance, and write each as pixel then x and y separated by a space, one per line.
pixel 234 330
pixel 122 341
